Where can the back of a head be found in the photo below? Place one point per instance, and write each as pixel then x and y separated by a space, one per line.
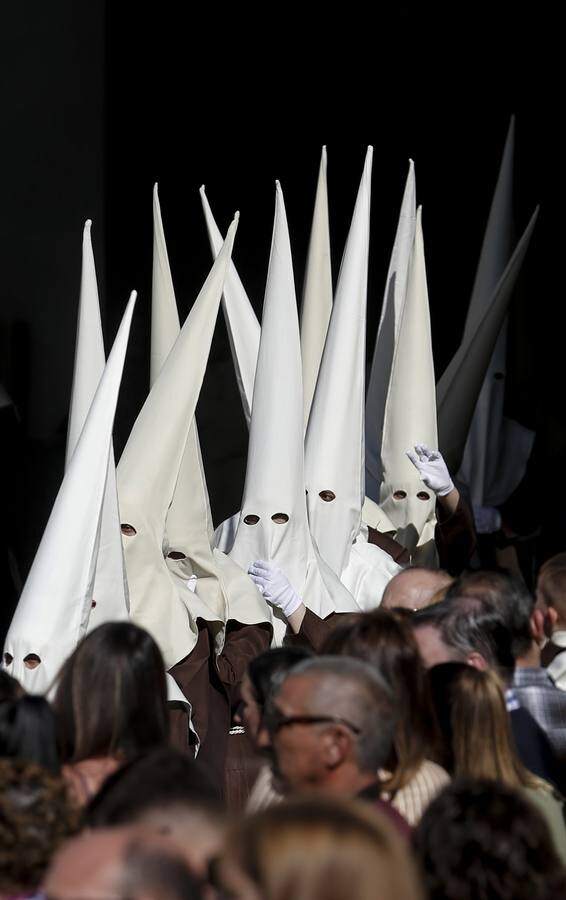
pixel 119 668
pixel 154 874
pixel 472 625
pixel 551 584
pixel 320 849
pixel 414 588
pixel 482 839
pixel 339 686
pixel 162 779
pixel 509 595
pixel 471 710
pixel 385 639
pixel 267 670
pixel 36 816
pixel 28 732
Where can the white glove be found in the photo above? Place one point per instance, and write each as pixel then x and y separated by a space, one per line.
pixel 275 586
pixel 432 469
pixel 487 519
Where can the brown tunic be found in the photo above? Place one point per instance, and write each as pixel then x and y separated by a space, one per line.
pixel 212 686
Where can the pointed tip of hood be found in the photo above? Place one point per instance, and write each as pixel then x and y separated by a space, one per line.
pixel 87 225
pixel 202 190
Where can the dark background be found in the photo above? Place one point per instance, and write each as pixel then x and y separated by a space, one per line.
pixel 98 101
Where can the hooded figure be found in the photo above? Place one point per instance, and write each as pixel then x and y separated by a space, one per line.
pixel 460 384
pixel 497 448
pixel 317 291
pixel 172 572
pixel 334 446
pixel 241 320
pixel 110 593
pixel 410 417
pixel 54 608
pixel 273 521
pixel 387 334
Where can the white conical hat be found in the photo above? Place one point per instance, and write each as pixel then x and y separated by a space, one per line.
pixel 334 446
pixel 148 474
pixel 317 291
pixel 273 519
pixel 497 448
pixel 241 320
pixel 388 330
pixel 460 384
pixel 189 520
pixel 110 594
pixel 334 443
pixel 54 608
pixel 410 411
pixel 221 590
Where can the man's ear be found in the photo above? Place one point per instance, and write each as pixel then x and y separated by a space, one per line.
pixel 337 746
pixel 477 661
pixel 537 625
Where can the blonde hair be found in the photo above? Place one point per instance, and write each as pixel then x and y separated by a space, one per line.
pixel 323 849
pixel 481 732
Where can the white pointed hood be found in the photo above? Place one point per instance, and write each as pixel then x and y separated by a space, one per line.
pixel 110 593
pixel 317 292
pixel 241 320
pixel 497 449
pixel 334 446
pixel 54 608
pixel 148 473
pixel 410 412
pixel 460 384
pixel 273 519
pixel 222 589
pixel 388 330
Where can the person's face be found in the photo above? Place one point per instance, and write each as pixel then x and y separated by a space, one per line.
pixel 298 748
pixel 250 711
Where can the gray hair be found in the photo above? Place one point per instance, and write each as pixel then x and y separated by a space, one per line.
pixel 352 690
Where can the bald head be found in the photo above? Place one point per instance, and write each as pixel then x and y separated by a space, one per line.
pixel 414 588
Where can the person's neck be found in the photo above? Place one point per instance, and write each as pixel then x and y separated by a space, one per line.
pixel 347 781
pixel 559 625
pixel 531 659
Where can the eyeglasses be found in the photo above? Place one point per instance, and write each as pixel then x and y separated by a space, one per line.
pixel 274 721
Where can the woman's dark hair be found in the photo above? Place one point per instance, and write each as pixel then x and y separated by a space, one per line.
pixel 28 732
pixel 111 695
pixel 36 816
pixel 267 671
pixel 480 839
pixel 386 641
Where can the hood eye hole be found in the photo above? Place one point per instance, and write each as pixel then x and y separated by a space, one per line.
pixel 422 495
pixel 128 530
pixel 499 376
pixel 176 554
pixel 251 519
pixel 400 495
pixel 327 496
pixel 93 604
pixel 32 661
pixel 279 518
pixel 8 659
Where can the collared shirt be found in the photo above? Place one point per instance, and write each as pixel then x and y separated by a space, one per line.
pixel 557 668
pixel 536 692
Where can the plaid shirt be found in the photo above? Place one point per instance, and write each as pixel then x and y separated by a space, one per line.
pixel 536 692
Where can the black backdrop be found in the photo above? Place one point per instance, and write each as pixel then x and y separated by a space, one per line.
pixel 114 97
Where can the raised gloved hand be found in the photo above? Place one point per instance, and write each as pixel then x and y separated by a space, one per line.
pixel 275 586
pixel 487 519
pixel 432 469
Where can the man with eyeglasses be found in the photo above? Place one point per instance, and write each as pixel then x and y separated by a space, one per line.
pixel 331 725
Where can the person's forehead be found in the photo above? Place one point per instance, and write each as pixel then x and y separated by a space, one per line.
pixel 293 691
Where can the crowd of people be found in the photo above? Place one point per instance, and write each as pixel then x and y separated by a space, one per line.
pixel 416 752
pixel 331 695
